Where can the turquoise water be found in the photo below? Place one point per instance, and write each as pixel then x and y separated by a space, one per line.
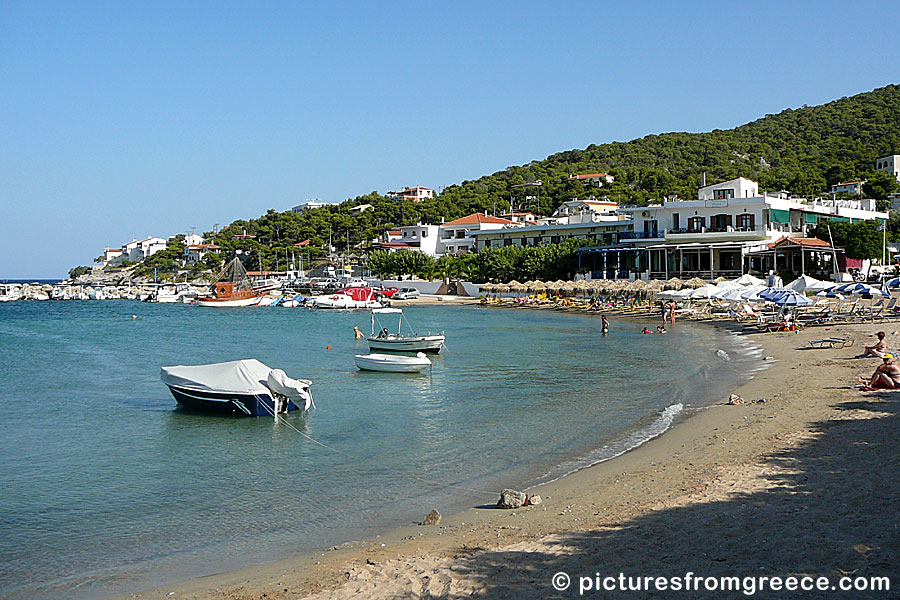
pixel 109 489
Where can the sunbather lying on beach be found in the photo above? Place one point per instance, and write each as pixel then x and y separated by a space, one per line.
pixel 887 375
pixel 878 349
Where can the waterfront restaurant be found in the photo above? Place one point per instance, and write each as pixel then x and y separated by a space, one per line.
pixel 727 231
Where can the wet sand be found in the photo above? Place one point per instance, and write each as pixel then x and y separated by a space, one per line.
pixel 805 483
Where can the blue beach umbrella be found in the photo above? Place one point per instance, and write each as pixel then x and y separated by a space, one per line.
pixel 769 293
pixel 791 298
pixel 894 283
pixel 864 289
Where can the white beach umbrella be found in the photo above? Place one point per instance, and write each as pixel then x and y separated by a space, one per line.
pixel 752 293
pixel 734 294
pixel 707 291
pixel 803 283
pixel 747 280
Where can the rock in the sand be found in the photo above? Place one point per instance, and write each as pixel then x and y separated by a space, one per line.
pixel 511 499
pixel 432 518
pixel 533 500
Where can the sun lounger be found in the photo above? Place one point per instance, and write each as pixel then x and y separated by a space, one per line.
pixel 833 342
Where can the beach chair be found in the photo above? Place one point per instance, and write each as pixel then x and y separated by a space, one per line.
pixel 832 342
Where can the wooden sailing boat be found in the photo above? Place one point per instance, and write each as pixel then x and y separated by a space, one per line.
pixel 234 290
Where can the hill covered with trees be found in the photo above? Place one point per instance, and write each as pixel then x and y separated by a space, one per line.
pixel 803 150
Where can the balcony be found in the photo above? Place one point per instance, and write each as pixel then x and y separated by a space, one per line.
pixel 716 234
pixel 641 235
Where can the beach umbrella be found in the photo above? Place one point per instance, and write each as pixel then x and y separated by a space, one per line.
pixel 515 286
pixel 790 298
pixel 734 294
pixel 895 282
pixel 707 291
pixel 830 294
pixel 486 287
pixel 768 293
pixel 656 285
pixel 695 282
pixel 728 285
pixel 804 283
pixel 720 279
pixel 864 289
pixel 536 286
pixel 673 283
pixel 747 279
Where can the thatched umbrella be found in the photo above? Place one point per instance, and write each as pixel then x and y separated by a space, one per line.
pixel 568 288
pixel 583 286
pixel 553 286
pixel 674 283
pixel 487 287
pixel 695 282
pixel 536 286
pixel 638 285
pixel 515 286
pixel 501 288
pixel 656 285
pixel 720 279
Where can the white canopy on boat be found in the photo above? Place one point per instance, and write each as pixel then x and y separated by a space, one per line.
pixel 247 376
pixel 382 311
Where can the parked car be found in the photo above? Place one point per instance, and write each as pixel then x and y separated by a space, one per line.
pixel 385 292
pixel 406 294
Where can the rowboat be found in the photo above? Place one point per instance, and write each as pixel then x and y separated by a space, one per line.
pixel 392 363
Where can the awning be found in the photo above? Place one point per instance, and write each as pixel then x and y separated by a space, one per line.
pixel 841 219
pixel 812 218
pixel 776 215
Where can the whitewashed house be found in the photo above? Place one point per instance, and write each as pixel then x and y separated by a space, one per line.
pixel 413 237
pixel 416 194
pixel 195 253
pixel 457 236
pixel 889 164
pixel 139 250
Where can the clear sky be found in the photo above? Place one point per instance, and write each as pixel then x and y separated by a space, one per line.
pixel 120 120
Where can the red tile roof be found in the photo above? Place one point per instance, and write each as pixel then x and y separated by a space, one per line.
pixel 805 242
pixel 589 175
pixel 479 218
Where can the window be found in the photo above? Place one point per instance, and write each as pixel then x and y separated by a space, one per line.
pixel 650 226
pixel 554 239
pixel 723 194
pixel 746 222
pixel 676 221
pixel 424 233
pixel 696 223
pixel 507 242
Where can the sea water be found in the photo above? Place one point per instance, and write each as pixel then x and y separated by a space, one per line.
pixel 109 488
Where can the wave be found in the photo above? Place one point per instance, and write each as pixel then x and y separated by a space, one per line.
pixel 629 441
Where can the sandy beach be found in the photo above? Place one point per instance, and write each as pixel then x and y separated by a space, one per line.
pixel 804 483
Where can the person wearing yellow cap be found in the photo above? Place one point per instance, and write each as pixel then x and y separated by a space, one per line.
pixel 886 376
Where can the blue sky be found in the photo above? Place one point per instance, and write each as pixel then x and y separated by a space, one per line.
pixel 124 119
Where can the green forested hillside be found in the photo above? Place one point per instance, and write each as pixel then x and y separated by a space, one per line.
pixel 803 150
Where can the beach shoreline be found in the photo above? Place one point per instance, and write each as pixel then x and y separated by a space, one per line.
pixel 705 458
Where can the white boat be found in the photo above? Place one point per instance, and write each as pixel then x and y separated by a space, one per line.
pixel 399 341
pixel 10 292
pixel 349 297
pixel 240 387
pixel 393 363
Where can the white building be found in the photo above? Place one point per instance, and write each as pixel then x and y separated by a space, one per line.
pixel 889 164
pixel 192 239
pixel 139 250
pixel 718 233
pixel 593 179
pixel 456 237
pixel 414 237
pixel 361 208
pixel 194 253
pixel 854 188
pixel 310 204
pixel 416 194
pixel 581 211
pixel 520 217
pixel 111 254
pixel 601 232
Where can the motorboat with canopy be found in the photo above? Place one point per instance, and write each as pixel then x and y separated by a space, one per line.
pixel 399 341
pixel 240 387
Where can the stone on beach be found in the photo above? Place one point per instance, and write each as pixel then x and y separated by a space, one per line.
pixel 432 518
pixel 511 499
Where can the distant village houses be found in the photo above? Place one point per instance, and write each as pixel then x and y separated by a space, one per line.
pixel 416 194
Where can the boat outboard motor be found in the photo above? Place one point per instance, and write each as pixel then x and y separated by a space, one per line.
pixel 295 390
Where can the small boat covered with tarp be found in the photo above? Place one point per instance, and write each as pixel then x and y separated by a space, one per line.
pixel 240 387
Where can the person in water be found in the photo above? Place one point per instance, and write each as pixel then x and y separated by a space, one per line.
pixel 878 349
pixel 661 330
pixel 646 330
pixel 604 324
pixel 887 375
pixel 359 334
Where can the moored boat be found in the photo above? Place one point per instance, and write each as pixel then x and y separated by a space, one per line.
pixel 400 342
pixel 234 292
pixel 241 387
pixel 392 363
pixel 349 297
